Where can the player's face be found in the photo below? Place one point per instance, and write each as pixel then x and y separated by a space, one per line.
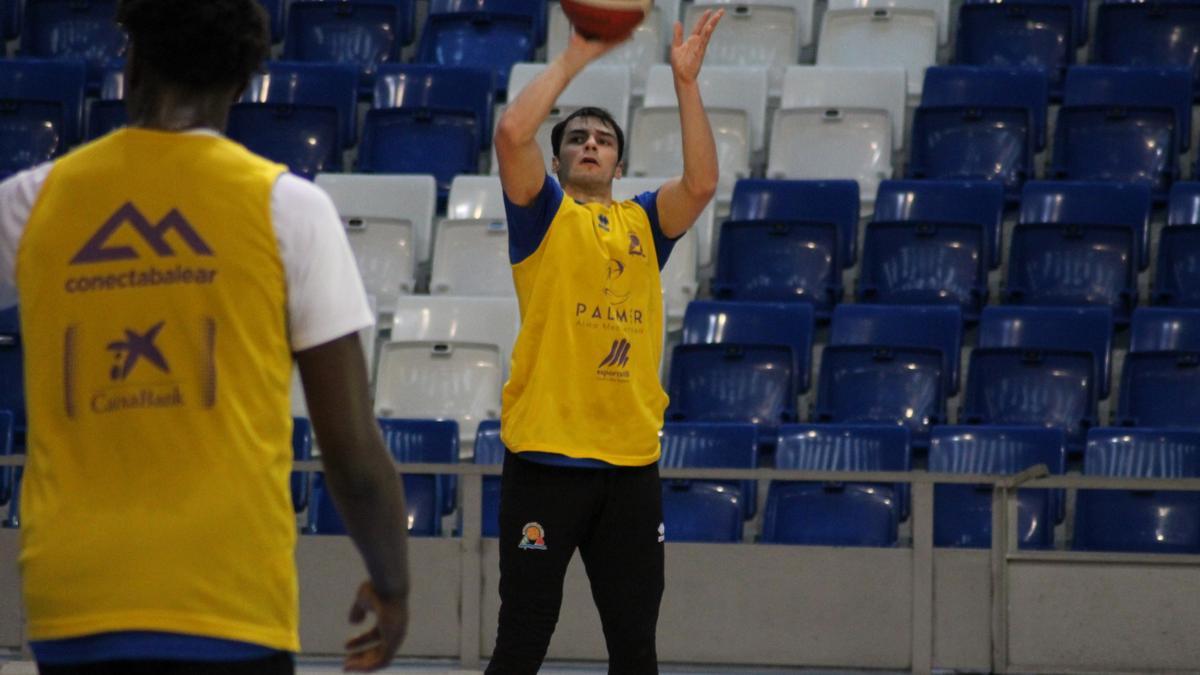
pixel 588 153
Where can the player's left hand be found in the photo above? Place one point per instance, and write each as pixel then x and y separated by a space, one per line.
pixel 375 648
pixel 688 55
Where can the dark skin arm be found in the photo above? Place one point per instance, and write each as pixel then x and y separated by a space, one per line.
pixel 366 490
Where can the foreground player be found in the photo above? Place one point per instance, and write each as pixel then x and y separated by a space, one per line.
pixel 166 276
pixel 582 410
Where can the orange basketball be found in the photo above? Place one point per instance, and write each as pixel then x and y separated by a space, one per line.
pixel 606 19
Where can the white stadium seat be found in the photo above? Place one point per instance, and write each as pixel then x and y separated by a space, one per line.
pixel 757 32
pixel 882 33
pixel 475 197
pixel 471 258
pixel 648 45
pixel 445 318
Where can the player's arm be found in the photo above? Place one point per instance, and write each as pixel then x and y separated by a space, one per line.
pixel 522 167
pixel 364 486
pixel 681 200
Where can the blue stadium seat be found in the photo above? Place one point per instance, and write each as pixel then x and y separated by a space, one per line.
pixel 779 261
pixel 869 384
pixel 979 123
pixel 1025 34
pixel 46 82
pixel 304 137
pixel 1160 389
pixel 921 263
pixel 425 86
pixel 701 512
pixel 426 496
pixel 302 442
pixel 31 132
pixel 362 33
pixel 480 40
pixel 945 201
pixel 732 383
pixel 534 9
pixel 724 322
pixel 1047 388
pixel 329 85
pixel 1144 521
pixel 713 445
pixel 836 513
pixel 12 374
pixel 935 327
pixel 6 446
pixel 10 19
pixel 1183 206
pixel 1073 265
pixel 1081 329
pixel 277 12
pixel 963 513
pixel 1165 33
pixel 1165 329
pixel 831 201
pixel 84 30
pixel 1177 270
pixel 1091 203
pixel 423 141
pixel 489 449
pixel 108 112
pixel 1123 124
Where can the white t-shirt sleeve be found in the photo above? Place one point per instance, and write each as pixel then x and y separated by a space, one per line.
pixel 17 196
pixel 326 298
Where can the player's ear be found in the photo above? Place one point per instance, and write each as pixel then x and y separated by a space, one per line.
pixel 620 171
pixel 554 165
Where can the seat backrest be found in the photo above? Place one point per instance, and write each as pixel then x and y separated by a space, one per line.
pixel 707 445
pixel 1038 34
pixel 476 197
pixel 1121 452
pixel 1160 389
pixel 364 33
pixel 834 201
pixel 997 449
pixel 534 9
pixel 732 383
pixel 607 85
pixel 305 138
pixel 489 449
pixel 843 447
pixel 471 258
pixel 1091 203
pixel 945 201
pixel 723 87
pixel 10 18
pixel 903 386
pixel 1137 34
pixel 829 87
pixel 645 47
pixel 990 87
pixel 906 263
pixel 427 441
pixel 1177 277
pixel 701 512
pixel 1093 265
pixel 881 33
pixel 440 380
pixel 755 32
pixel 438 87
pixel 1162 329
pixel 779 261
pixel 1086 329
pixel 408 141
pixel 447 318
pixel 722 322
pixel 938 327
pixel 1183 205
pixel 323 84
pixel 1127 86
pixel 363 200
pixel 479 39
pixel 73 29
pixel 837 143
pixel 48 80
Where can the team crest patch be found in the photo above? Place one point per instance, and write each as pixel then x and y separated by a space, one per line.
pixel 533 537
pixel 602 222
pixel 635 246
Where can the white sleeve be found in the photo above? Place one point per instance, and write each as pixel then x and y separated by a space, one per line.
pixel 17 195
pixel 326 298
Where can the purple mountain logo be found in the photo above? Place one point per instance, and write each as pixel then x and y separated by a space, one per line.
pixel 96 250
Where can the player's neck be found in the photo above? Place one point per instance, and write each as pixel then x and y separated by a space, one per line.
pixel 600 194
pixel 171 109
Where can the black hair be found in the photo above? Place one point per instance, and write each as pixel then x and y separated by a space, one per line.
pixel 201 44
pixel 556 134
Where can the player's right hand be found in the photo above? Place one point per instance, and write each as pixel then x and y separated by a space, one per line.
pixel 590 50
pixel 377 647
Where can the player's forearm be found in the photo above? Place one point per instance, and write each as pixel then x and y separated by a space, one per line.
pixel 520 122
pixel 700 171
pixel 370 499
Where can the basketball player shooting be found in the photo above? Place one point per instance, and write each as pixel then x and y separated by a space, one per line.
pixel 584 405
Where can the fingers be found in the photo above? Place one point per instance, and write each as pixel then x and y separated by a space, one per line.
pixel 700 25
pixel 678 39
pixel 708 24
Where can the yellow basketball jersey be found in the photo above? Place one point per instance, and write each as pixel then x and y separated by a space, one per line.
pixel 584 380
pixel 153 301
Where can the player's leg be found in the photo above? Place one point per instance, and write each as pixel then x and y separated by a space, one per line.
pixel 543 512
pixel 624 560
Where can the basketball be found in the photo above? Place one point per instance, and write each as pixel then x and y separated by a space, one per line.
pixel 606 19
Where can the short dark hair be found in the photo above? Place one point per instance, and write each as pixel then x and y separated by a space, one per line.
pixel 204 44
pixel 556 134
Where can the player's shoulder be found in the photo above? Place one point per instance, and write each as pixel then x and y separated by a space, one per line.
pixel 294 199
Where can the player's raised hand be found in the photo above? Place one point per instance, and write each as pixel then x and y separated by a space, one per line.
pixel 688 55
pixel 588 50
pixel 377 647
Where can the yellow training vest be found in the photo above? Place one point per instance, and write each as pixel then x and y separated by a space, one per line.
pixel 153 301
pixel 584 379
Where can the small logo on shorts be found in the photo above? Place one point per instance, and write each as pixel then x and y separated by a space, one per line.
pixel 533 537
pixel 662 532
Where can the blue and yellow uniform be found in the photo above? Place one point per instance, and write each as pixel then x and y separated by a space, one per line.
pixel 156 493
pixel 584 380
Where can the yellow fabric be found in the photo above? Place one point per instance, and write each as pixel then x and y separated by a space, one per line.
pixel 153 318
pixel 584 380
